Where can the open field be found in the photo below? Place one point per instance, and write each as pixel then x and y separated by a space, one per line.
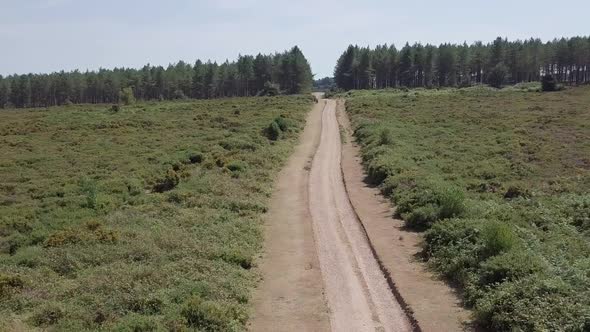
pixel 499 182
pixel 142 219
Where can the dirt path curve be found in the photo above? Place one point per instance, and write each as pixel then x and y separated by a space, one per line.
pixel 290 296
pixel 358 295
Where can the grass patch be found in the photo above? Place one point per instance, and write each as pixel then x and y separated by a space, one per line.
pixel 499 181
pixel 146 219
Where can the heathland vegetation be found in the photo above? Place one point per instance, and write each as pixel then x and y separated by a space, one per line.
pixel 137 218
pixel 499 180
pixel 566 60
pixel 288 72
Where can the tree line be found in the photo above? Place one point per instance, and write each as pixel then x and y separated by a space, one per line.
pixel 567 60
pixel 324 84
pixel 288 72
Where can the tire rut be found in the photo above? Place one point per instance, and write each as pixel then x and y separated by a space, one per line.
pixel 358 294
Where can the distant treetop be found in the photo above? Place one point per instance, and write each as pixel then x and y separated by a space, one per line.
pixel 289 71
pixel 495 63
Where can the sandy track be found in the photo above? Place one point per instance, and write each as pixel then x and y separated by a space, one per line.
pixel 290 296
pixel 357 292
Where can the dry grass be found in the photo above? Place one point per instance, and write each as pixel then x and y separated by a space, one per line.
pixel 501 180
pixel 130 220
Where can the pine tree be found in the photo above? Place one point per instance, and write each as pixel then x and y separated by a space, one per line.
pixel 463 69
pixel 301 70
pixel 262 71
pixel 197 81
pixel 343 72
pixel 496 52
pixel 246 75
pixel 210 80
pixel 4 92
pixel 567 60
pixel 446 65
pixel 366 72
pixel 419 64
pixel 406 73
pixel 393 66
pixel 497 75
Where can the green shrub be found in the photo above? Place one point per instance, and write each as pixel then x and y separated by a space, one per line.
pixel 239 257
pixel 284 123
pixel 510 266
pixel 238 144
pixel 169 182
pixel 377 173
pixel 422 217
pixel 498 237
pixel 178 197
pixel 179 94
pixel 195 157
pixel 47 315
pixel 126 96
pixel 421 202
pixel 138 323
pixel 453 246
pixel 579 212
pixel 210 316
pixel 534 303
pixel 88 188
pixel 451 202
pixel 10 244
pixel 63 238
pixel 497 76
pixel 548 83
pixel 134 186
pixel 273 132
pixel 64 264
pixel 236 166
pixel 93 225
pixel 385 137
pixel 9 283
pixel 29 257
pixel 516 192
pixel 145 305
pixel 105 236
pixel 270 89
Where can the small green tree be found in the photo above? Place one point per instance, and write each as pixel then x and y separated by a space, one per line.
pixel 548 83
pixel 126 96
pixel 498 75
pixel 273 132
pixel 270 89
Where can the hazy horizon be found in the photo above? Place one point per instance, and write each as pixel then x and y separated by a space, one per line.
pixel 42 36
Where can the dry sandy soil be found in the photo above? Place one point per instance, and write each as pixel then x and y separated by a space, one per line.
pixel 358 295
pixel 290 296
pixel 334 258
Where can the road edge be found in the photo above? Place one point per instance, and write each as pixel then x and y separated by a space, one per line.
pixel 392 285
pixel 289 295
pixel 463 322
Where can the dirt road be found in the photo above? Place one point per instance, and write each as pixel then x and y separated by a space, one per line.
pixel 291 296
pixel 357 292
pixel 319 270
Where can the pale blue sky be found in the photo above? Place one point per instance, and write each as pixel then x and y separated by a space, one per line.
pixel 50 35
